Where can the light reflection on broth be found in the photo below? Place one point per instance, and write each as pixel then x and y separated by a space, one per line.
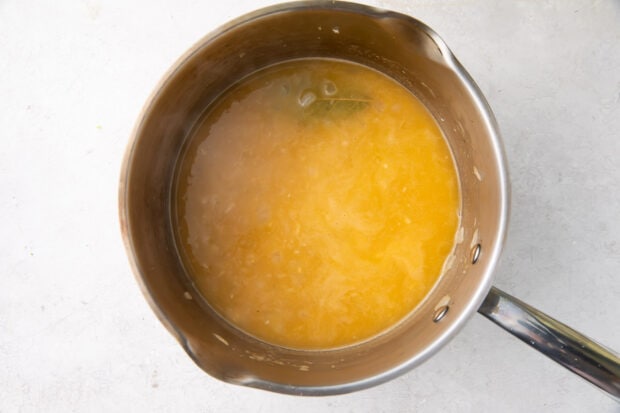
pixel 317 203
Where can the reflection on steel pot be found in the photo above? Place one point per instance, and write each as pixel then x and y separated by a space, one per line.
pixel 411 53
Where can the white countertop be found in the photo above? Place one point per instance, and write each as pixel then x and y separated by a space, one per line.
pixel 75 331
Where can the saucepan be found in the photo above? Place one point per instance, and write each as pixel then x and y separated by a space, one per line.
pixel 412 54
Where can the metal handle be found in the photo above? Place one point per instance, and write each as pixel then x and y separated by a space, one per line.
pixel 581 355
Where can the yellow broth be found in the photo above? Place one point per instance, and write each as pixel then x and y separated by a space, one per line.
pixel 316 204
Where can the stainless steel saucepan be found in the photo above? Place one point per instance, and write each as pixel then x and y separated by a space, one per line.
pixel 413 54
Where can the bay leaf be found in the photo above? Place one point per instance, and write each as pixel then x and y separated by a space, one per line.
pixel 337 107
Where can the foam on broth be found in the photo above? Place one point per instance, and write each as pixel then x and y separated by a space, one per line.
pixel 317 202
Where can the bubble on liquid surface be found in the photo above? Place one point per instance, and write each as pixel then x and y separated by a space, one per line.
pixel 306 98
pixel 329 88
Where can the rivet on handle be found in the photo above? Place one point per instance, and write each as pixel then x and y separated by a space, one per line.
pixel 440 313
pixel 441 309
pixel 475 254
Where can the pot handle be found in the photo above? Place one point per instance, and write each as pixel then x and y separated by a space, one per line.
pixel 581 355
